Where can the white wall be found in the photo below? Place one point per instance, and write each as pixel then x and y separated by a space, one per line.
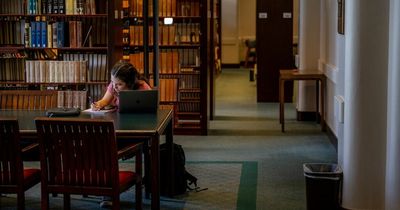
pixel 238 24
pixel 229 28
pixel 246 24
pixel 332 63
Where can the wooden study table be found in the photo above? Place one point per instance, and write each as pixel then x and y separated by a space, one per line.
pixel 294 74
pixel 144 125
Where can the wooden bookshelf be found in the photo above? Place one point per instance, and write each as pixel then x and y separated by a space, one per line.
pixel 101 32
pixel 182 56
pixel 57 45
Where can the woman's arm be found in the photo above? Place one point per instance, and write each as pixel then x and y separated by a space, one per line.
pixel 106 100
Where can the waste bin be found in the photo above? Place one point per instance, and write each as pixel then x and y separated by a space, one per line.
pixel 323 186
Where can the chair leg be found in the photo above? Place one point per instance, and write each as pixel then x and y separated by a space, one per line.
pixel 21 200
pixel 246 59
pixel 67 201
pixel 116 202
pixel 147 181
pixel 45 200
pixel 138 196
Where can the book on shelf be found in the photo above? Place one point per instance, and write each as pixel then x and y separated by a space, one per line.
pixel 88 38
pixel 61 31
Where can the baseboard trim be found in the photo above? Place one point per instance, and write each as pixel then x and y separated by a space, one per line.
pixel 332 138
pixel 307 116
pixel 310 116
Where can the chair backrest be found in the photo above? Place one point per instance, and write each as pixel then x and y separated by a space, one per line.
pixel 11 167
pixel 78 154
pixel 28 99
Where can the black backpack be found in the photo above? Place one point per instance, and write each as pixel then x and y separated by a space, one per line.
pixel 183 180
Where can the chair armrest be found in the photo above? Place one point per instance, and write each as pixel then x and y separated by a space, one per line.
pixel 30 147
pixel 130 149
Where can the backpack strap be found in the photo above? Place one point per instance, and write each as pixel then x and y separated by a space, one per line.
pixel 191 179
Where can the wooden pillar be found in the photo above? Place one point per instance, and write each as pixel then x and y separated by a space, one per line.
pixel 274 35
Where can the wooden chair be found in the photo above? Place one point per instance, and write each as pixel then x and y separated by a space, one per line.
pixel 79 156
pixel 14 178
pixel 28 99
pixel 250 52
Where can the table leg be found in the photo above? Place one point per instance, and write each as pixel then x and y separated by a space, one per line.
pixel 323 86
pixel 155 172
pixel 170 154
pixel 282 104
pixel 317 100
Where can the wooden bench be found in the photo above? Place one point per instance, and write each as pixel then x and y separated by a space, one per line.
pixel 28 99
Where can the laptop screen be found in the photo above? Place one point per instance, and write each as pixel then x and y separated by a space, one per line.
pixel 138 101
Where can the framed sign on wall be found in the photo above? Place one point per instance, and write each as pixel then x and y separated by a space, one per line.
pixel 340 18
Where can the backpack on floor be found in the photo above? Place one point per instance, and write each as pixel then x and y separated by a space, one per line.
pixel 183 179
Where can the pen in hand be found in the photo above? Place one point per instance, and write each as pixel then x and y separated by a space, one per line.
pixel 93 105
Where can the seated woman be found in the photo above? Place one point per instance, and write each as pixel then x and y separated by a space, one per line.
pixel 124 76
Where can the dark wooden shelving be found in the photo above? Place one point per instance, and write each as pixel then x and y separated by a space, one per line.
pixel 90 65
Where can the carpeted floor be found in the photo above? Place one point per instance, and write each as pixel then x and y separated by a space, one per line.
pixel 245 162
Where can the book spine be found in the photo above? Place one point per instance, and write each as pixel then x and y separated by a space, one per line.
pixel 54 34
pixel 49 35
pixel 43 34
pixel 61 6
pixel 33 34
pixel 27 35
pixel 60 34
pixel 55 7
pixel 44 7
pixel 34 7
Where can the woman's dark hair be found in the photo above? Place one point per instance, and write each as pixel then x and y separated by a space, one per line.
pixel 127 73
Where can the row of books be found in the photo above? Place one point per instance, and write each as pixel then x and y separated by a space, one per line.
pixel 12 32
pixel 44 71
pixel 44 34
pixel 97 69
pixel 96 92
pixel 6 55
pixel 177 34
pixel 171 61
pixel 168 90
pixel 188 107
pixel 69 7
pixel 12 7
pixel 167 8
pixel 189 96
pixel 13 69
pixel 12 87
pixel 72 99
pixel 40 7
pixel 54 34
pixel 189 82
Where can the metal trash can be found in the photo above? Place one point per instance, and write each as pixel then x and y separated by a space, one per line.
pixel 323 186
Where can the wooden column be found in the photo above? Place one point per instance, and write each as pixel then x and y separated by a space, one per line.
pixel 274 35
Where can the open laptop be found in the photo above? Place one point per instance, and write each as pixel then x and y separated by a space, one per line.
pixel 131 101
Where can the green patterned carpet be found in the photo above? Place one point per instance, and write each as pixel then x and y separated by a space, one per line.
pixel 232 183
